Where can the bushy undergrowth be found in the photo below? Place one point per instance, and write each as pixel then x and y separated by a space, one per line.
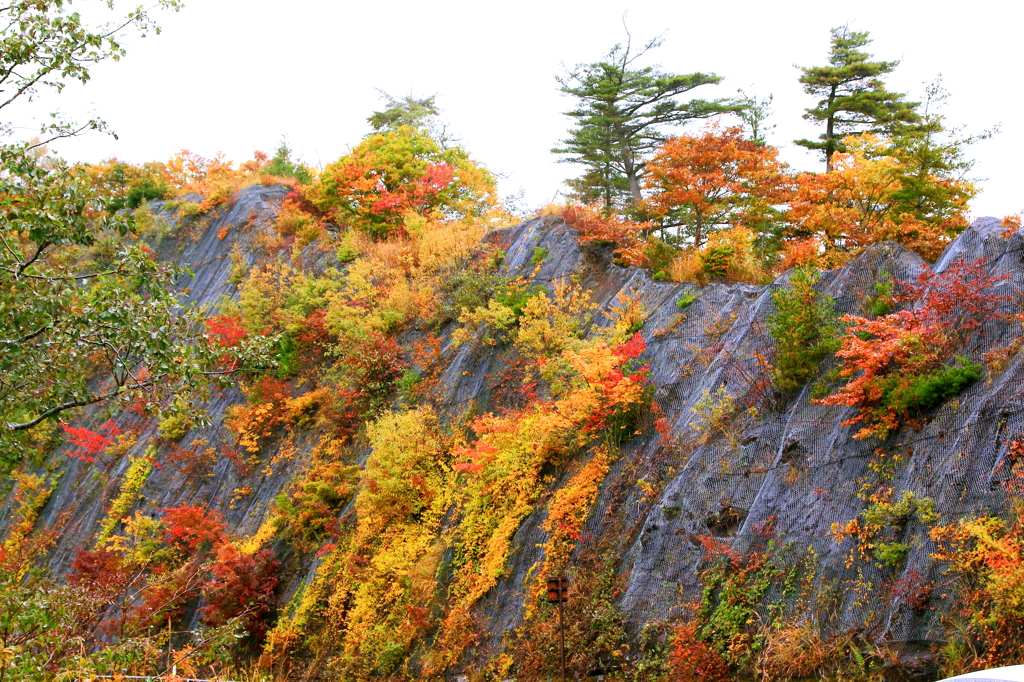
pixel 804 328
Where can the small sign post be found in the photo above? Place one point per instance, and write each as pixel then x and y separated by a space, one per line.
pixel 558 593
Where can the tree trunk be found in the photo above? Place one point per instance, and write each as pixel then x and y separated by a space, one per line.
pixel 629 166
pixel 830 132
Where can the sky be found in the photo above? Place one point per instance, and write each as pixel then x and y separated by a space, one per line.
pixel 234 76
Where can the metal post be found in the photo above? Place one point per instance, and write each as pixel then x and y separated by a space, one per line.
pixel 169 656
pixel 561 633
pixel 558 592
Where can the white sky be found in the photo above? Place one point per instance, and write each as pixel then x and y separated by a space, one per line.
pixel 234 75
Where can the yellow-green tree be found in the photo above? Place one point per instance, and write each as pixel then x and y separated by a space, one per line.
pixel 394 179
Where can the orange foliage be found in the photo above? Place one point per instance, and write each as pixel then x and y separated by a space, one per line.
pixel 595 226
pixel 714 179
pixel 886 358
pixel 1010 224
pixel 569 509
pixel 216 178
pixel 693 660
pixel 798 253
pixel 861 202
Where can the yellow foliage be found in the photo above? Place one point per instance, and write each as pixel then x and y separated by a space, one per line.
pixel 142 543
pixel 551 324
pixel 131 486
pixel 628 314
pixel 31 494
pixel 263 534
pixel 569 509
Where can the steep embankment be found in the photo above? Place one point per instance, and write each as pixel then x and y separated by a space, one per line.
pixel 771 464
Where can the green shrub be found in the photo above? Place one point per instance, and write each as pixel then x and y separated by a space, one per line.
pixel 882 301
pixel 919 393
pixel 804 328
pixel 891 554
pixel 686 300
pixel 288 360
pixel 516 299
pixel 472 287
pixel 539 255
pixel 407 382
pixel 346 250
pixel 899 512
pixel 660 255
pixel 714 261
pixel 150 189
pixel 282 166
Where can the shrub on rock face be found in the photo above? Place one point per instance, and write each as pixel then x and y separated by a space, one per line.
pixel 903 363
pixel 242 585
pixel 804 329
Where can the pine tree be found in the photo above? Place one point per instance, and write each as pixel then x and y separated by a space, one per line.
pixel 934 164
pixel 621 111
pixel 853 97
pixel 407 111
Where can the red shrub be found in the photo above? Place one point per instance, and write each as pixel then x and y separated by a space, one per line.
pixel 242 584
pixel 960 299
pixel 373 365
pixel 99 571
pixel 192 527
pixel 314 339
pixel 226 330
pixel 693 660
pixel 90 443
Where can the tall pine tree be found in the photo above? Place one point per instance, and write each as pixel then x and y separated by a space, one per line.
pixel 853 96
pixel 622 110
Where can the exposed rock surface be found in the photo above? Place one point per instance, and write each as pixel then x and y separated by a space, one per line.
pixel 792 464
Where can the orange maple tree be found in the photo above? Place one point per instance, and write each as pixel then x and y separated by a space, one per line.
pixel 704 182
pixel 863 201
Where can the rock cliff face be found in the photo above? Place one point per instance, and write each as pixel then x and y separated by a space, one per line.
pixel 786 463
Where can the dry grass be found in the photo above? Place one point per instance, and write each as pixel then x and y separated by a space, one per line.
pixel 687 268
pixel 444 247
pixel 741 265
pixel 551 211
pixel 796 650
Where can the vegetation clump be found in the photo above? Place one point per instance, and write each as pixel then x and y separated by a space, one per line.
pixel 805 330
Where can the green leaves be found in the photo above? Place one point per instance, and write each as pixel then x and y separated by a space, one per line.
pixel 853 98
pixel 805 330
pixel 620 116
pixel 72 335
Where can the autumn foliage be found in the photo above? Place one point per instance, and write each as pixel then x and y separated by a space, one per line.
pixel 986 554
pixel 903 363
pixel 90 444
pixel 863 201
pixel 241 585
pixel 595 225
pixel 394 175
pixel 702 183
